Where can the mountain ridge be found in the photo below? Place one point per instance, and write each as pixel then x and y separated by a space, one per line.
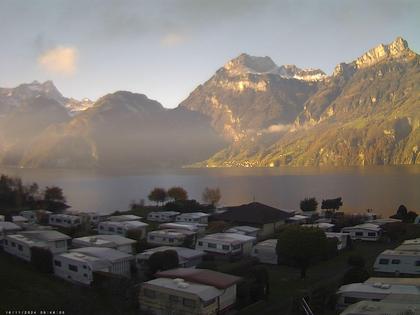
pixel 250 113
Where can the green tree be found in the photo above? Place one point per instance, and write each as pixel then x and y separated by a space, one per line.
pixel 164 260
pixel 301 246
pixel 54 194
pixel 309 204
pixel 177 193
pixel 158 195
pixel 211 196
pixel 332 204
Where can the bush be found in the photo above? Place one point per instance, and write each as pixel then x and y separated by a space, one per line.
pixel 356 261
pixel 355 275
pixel 165 260
pixel 42 259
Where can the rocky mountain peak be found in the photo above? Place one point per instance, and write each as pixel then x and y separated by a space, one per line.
pixel 397 49
pixel 245 63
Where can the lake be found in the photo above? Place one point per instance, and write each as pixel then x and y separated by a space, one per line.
pixel 382 188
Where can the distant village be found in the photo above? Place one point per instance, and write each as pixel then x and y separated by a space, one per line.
pixel 181 256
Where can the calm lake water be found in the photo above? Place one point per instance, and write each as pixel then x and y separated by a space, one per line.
pixel 382 188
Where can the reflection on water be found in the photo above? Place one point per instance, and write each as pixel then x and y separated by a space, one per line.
pixel 382 188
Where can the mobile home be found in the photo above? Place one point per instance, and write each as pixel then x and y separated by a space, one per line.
pixel 117 242
pixel 64 220
pixel 20 244
pixel 78 265
pixel 226 244
pixel 356 292
pixel 383 307
pixel 265 252
pixel 398 262
pixel 187 257
pixel 189 291
pixel 162 216
pixel 30 215
pixel 245 230
pixel 193 217
pixel 365 232
pixel 171 237
pixel 7 228
pixel 121 228
pixel 124 218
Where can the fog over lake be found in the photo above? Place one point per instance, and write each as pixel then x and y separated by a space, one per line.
pixel 382 188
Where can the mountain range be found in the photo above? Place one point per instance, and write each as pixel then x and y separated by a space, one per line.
pixel 250 113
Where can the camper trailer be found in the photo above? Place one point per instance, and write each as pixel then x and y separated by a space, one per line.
pixel 171 237
pixel 226 244
pixel 356 292
pixel 162 216
pixel 193 217
pixel 364 232
pixel 265 252
pixel 398 262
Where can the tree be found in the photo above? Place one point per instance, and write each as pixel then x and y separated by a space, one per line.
pixel 356 261
pixel 54 194
pixel 357 272
pixel 301 246
pixel 332 204
pixel 404 215
pixel 177 193
pixel 158 195
pixel 309 204
pixel 164 260
pixel 211 196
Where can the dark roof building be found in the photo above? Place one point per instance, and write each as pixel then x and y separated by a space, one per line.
pixel 256 214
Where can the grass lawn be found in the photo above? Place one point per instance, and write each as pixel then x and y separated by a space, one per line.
pixel 22 287
pixel 285 282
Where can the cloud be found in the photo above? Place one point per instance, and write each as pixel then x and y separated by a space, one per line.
pixel 59 60
pixel 172 39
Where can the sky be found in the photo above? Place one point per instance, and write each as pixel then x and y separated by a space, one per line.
pixel 165 49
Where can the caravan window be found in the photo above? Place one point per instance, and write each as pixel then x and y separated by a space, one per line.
pixel 212 245
pixel 383 261
pixel 371 234
pixel 359 234
pixel 57 263
pixel 73 268
pixel 395 261
pixel 188 302
pixel 418 263
pixel 20 247
pixel 225 247
pixel 200 243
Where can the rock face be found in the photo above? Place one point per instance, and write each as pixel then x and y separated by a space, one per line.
pixel 366 112
pixel 250 94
